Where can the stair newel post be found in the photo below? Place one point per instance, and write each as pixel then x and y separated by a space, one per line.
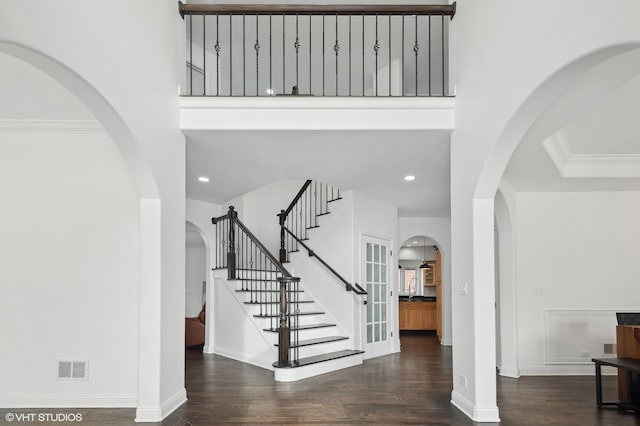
pixel 284 330
pixel 231 254
pixel 283 251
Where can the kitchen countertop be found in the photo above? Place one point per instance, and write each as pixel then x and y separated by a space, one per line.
pixel 417 299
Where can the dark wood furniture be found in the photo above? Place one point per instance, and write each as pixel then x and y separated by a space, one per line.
pixel 629 368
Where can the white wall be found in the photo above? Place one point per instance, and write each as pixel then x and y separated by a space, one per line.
pixel 333 242
pixel 68 262
pixel 130 85
pixel 257 209
pixel 512 77
pixel 575 252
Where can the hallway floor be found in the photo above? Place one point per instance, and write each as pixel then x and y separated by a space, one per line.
pixel 411 387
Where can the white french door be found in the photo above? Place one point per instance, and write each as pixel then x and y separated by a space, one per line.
pixel 376 275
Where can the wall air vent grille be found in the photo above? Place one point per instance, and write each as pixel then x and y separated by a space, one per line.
pixel 73 370
pixel 609 349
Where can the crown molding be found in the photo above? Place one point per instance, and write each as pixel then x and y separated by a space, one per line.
pixel 51 126
pixel 572 165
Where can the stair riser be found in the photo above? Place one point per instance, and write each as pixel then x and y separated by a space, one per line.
pixel 305 334
pixel 322 348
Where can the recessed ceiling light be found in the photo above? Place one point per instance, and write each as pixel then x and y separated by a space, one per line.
pixel 270 91
pixel 408 245
pixel 203 179
pixel 415 242
pixel 409 178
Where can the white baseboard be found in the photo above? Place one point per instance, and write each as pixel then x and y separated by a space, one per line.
pixel 509 371
pixel 68 401
pixel 207 350
pixel 462 404
pixel 446 342
pixel 157 414
pixel 563 370
pixel 242 358
pixel 299 373
pixel 477 414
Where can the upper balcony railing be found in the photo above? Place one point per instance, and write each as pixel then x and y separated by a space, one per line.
pixel 318 50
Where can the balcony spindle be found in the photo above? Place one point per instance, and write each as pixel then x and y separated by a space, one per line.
pixel 372 32
pixel 429 57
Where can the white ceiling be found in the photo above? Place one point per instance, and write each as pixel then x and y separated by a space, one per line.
pixel 371 162
pixel 601 141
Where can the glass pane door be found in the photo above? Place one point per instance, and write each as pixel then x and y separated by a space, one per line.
pixel 376 272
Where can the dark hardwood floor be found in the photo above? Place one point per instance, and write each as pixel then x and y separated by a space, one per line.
pixel 411 387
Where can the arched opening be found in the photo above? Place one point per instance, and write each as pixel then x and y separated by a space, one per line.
pixel 420 286
pixel 195 288
pixel 560 100
pixel 76 173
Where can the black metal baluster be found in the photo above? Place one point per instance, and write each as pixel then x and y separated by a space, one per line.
pixel 429 57
pixel 310 67
pixel 442 41
pixel 376 47
pixel 204 55
pixel 296 46
pixel 217 49
pixel 257 48
pixel 284 66
pixel 349 54
pixel 416 48
pixel 244 56
pixel 336 48
pixel 191 54
pixel 230 55
pixel 402 64
pixel 363 93
pixel 389 56
pixel 323 47
pixel 270 56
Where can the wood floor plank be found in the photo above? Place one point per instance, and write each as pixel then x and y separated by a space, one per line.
pixel 411 387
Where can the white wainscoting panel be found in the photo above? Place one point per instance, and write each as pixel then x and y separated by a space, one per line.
pixel 576 336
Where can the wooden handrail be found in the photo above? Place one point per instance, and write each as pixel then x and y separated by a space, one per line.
pixel 295 200
pixel 233 217
pixel 348 286
pixel 317 9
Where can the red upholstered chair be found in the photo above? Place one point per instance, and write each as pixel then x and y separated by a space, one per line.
pixel 194 329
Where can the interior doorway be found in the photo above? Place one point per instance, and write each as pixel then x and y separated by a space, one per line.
pixel 420 286
pixel 195 287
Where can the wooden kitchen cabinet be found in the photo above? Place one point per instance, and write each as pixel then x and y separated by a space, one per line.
pixel 417 315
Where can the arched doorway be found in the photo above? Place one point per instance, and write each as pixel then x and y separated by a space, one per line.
pixel 420 280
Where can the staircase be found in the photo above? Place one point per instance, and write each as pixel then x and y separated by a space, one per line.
pixel 307 339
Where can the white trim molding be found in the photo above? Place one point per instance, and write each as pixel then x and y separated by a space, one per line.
pixel 51 126
pixel 68 401
pixel 477 414
pixel 157 414
pixel 572 165
pixel 316 113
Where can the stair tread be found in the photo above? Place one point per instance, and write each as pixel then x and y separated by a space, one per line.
pixel 323 214
pixel 278 315
pixel 318 340
pixel 319 358
pixel 335 199
pixel 303 327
